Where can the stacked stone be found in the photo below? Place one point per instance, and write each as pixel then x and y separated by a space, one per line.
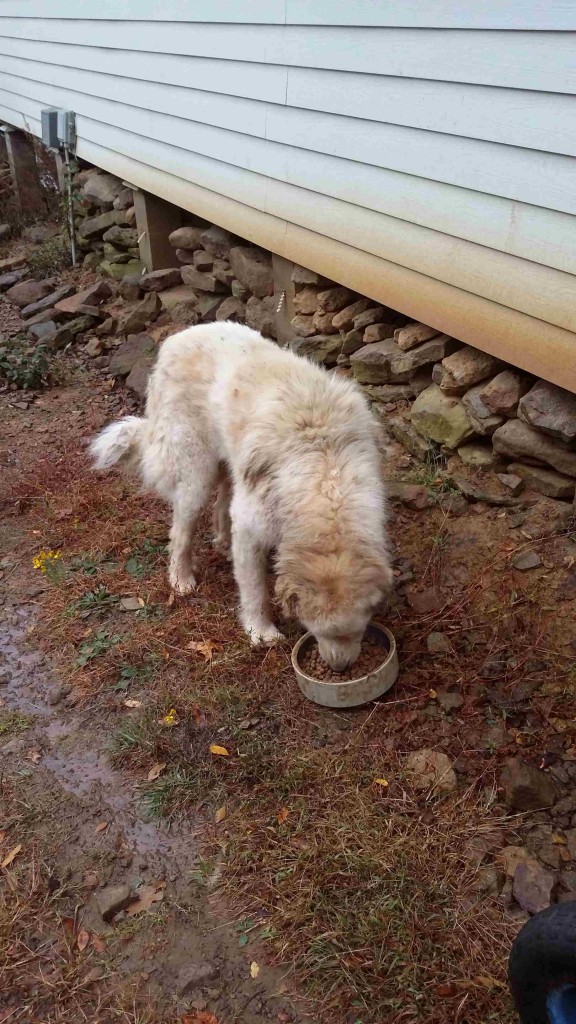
pixel 225 278
pixel 106 224
pixel 332 323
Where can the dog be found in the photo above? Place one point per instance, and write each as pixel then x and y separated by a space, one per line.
pixel 293 453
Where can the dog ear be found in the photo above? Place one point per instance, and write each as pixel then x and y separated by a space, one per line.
pixel 286 591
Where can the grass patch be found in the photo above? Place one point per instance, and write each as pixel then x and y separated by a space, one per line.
pixel 14 722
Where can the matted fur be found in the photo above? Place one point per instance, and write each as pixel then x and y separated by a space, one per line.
pixel 299 447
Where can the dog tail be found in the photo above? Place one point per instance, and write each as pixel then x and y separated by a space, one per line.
pixel 119 442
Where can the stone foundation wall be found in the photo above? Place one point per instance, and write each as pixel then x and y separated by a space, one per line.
pixel 433 394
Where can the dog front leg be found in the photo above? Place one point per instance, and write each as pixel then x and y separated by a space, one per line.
pixel 249 556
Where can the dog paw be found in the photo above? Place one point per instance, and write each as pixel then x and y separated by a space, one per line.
pixel 181 584
pixel 264 634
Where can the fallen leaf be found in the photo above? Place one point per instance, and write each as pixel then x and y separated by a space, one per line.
pixel 34 755
pixel 131 703
pixel 2 837
pixel 220 814
pixel 82 940
pixel 156 771
pixel 199 717
pixel 432 694
pixel 171 718
pixel 489 983
pixel 11 856
pixel 206 648
pixel 103 825
pixel 68 923
pixel 98 943
pixel 381 782
pixel 91 880
pixel 146 895
pixel 446 990
pixel 199 1017
pixel 282 815
pixel 559 840
pixel 219 751
pixel 131 604
pixel 254 969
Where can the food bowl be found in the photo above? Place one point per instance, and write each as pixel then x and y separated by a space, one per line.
pixel 353 692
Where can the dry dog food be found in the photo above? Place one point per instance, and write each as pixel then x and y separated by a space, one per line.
pixel 372 654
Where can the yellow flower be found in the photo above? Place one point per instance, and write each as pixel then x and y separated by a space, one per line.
pixel 45 558
pixel 171 718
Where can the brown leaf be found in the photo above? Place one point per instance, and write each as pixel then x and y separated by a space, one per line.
pixel 156 771
pixel 11 856
pixel 220 814
pixel 98 943
pixel 219 751
pixel 199 717
pixel 206 648
pixel 34 755
pixel 2 837
pixel 102 826
pixel 83 939
pixel 254 969
pixel 199 1017
pixel 91 880
pixel 282 815
pixel 131 703
pixel 146 896
pixel 68 923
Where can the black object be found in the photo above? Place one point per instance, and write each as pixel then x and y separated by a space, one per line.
pixel 542 967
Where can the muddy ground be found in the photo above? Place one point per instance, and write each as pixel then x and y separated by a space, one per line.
pixel 303 874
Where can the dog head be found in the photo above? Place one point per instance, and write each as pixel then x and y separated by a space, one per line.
pixel 334 596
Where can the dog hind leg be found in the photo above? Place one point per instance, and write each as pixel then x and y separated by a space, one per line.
pixel 188 502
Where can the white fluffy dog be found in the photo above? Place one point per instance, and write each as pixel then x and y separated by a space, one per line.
pixel 294 453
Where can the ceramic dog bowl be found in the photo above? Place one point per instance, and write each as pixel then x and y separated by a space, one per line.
pixel 354 692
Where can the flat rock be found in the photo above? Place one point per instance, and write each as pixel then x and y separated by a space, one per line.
pixel 261 315
pixel 48 302
pixel 195 976
pixel 502 394
pixel 185 256
pixel 159 280
pixel 521 441
pixel 306 300
pixel 383 393
pixel 527 560
pixel 129 289
pixel 550 409
pixel 118 271
pixel 202 282
pixel 322 322
pixel 143 313
pixel 112 899
pixel 188 237
pixel 413 334
pixel 124 200
pixel 423 602
pixel 545 481
pixel 468 366
pixel 232 309
pixel 101 188
pixel 482 419
pixel 352 341
pixel 414 496
pixel 438 643
pixel 137 379
pixel 202 260
pixel 172 297
pixel 121 237
pixel 478 456
pixel 332 300
pixel 301 275
pixel 92 296
pixel 42 332
pixel 473 493
pixel 303 325
pixel 344 319
pixel 67 332
pixel 533 886
pixel 26 293
pixel 420 447
pixel 441 417
pixel 432 770
pixel 207 306
pixel 94 227
pixel 526 788
pixel 512 482
pixel 253 268
pixel 320 348
pixel 421 355
pixel 11 278
pixel 217 241
pixel 129 352
pixel 372 364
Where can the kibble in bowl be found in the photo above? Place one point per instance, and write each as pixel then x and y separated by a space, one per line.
pixel 373 673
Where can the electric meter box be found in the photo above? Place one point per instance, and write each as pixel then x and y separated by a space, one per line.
pixel 58 128
pixel 50 128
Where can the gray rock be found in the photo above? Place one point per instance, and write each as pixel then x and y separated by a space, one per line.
pixel 322 322
pixel 533 886
pixel 145 312
pixel 427 352
pixel 186 256
pixel 202 282
pixel 112 899
pixel 502 394
pixel 118 271
pixel 418 446
pixel 5 231
pixel 344 320
pixel 223 272
pixel 520 441
pixel 468 366
pixel 47 302
pixel 207 306
pixel 195 976
pixel 129 352
pixel 527 560
pixel 106 328
pixel 58 692
pixel 380 394
pixel 202 260
pixel 44 317
pixel 217 241
pixel 94 295
pixel 101 189
pixel 431 769
pixel 94 348
pixel 94 227
pixel 91 260
pixel 512 482
pixel 68 331
pixel 306 300
pixel 526 788
pixel 232 309
pixel 440 417
pixel 331 300
pixel 482 419
pixel 124 200
pixel 137 379
pixel 413 334
pixel 122 238
pixel 12 278
pixel 158 280
pixel 42 332
pixel 253 268
pixel 261 315
pixel 372 364
pixel 303 325
pixel 378 332
pixel 414 496
pixel 188 237
pixel 438 643
pixel 130 288
pixel 550 409
pixel 474 493
pixel 301 275
pixel 239 291
pixel 372 315
pixel 27 292
pixel 449 700
pixel 352 341
pixel 321 348
pixel 478 456
pixel 545 481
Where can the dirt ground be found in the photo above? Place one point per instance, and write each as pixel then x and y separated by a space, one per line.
pixel 183 837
